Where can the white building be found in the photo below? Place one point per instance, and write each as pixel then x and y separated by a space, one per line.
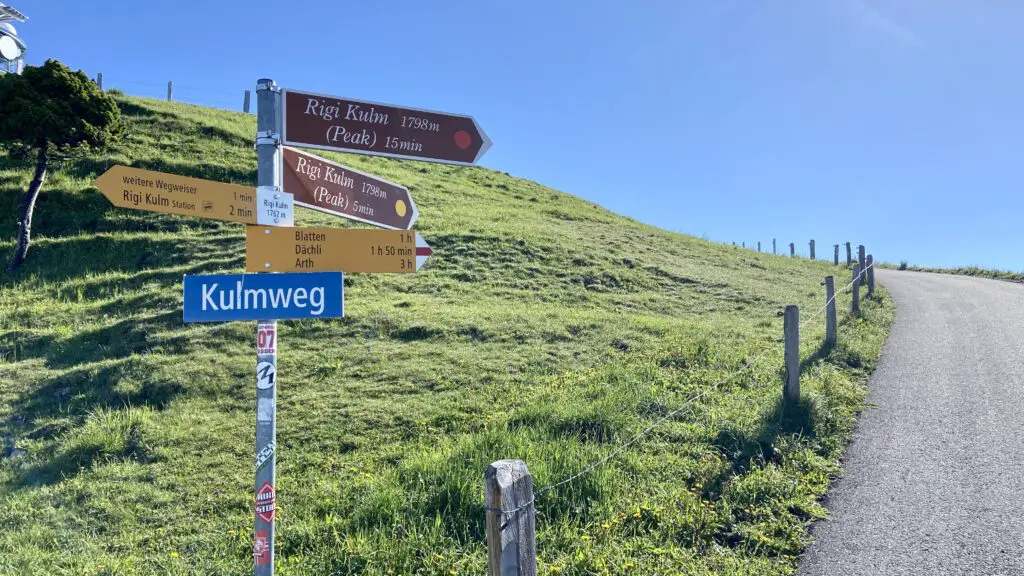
pixel 12 47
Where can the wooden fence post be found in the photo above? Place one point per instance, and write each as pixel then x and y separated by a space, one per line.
pixel 861 260
pixel 791 328
pixel 168 90
pixel 758 245
pixel 744 244
pixel 773 246
pixel 511 544
pixel 835 259
pixel 99 80
pixel 830 310
pixel 849 255
pixel 245 103
pixel 812 249
pixel 856 289
pixel 792 250
pixel 871 275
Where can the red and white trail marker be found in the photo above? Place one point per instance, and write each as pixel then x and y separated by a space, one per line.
pixel 423 251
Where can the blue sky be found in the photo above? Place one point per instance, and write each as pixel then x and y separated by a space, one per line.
pixel 896 124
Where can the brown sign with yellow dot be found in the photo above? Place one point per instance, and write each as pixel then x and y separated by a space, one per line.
pixel 330 187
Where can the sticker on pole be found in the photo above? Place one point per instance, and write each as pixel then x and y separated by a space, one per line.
pixel 261 548
pixel 264 455
pixel 266 340
pixel 265 502
pixel 265 410
pixel 266 373
pixel 273 207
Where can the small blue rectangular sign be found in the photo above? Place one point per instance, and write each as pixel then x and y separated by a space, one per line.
pixel 227 297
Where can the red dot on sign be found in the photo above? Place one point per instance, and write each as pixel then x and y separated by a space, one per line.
pixel 463 139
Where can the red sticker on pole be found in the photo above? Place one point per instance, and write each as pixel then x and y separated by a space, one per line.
pixel 266 340
pixel 261 548
pixel 265 502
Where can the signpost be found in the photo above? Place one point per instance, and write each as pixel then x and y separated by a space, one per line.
pixel 321 255
pixel 268 162
pixel 333 123
pixel 270 249
pixel 329 123
pixel 317 257
pixel 231 297
pixel 330 187
pixel 151 191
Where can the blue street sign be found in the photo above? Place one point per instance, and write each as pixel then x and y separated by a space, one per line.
pixel 227 297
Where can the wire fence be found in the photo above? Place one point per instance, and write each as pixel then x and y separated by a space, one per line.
pixel 537 494
pixel 205 97
pixel 188 94
pixel 239 101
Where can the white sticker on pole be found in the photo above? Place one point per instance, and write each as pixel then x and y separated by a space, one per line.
pixel 274 207
pixel 266 339
pixel 266 374
pixel 264 454
pixel 265 410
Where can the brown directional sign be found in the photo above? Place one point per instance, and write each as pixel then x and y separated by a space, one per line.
pixel 269 249
pixel 330 187
pixel 332 123
pixel 151 191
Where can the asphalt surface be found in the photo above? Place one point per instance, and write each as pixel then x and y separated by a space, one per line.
pixel 933 482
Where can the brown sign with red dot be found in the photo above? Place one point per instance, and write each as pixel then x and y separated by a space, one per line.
pixel 332 123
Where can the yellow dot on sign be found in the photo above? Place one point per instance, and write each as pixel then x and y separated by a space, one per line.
pixel 400 208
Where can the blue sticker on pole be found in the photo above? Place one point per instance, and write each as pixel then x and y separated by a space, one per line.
pixel 228 297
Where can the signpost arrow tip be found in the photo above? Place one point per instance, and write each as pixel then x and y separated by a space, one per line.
pixel 415 213
pixel 108 177
pixel 423 251
pixel 486 141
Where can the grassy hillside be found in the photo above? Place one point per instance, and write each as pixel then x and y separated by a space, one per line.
pixel 543 328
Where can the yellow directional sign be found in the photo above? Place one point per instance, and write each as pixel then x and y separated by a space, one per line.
pixel 333 249
pixel 150 191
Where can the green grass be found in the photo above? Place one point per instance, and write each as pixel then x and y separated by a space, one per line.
pixel 544 328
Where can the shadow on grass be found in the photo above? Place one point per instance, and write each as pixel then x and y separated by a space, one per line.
pixel 92 288
pixel 58 212
pixel 177 123
pixel 823 352
pixel 746 448
pixel 74 395
pixel 57 260
pixel 69 463
pixel 749 448
pixel 12 181
pixel 788 419
pixel 116 341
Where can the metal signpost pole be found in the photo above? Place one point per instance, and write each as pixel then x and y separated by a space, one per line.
pixel 268 151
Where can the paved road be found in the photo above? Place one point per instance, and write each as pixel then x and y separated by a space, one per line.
pixel 934 480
